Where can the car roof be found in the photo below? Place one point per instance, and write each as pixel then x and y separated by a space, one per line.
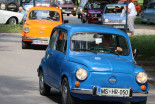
pixel 45 8
pixel 77 28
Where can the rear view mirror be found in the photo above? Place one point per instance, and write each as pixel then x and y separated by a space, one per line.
pixel 135 52
pixel 66 21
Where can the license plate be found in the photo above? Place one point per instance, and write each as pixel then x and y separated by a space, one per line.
pixel 67 11
pixel 118 26
pixel 113 92
pixel 40 42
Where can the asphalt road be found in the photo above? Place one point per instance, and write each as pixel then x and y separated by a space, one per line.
pixel 18 75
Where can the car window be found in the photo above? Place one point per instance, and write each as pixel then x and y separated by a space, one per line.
pixel 99 43
pixel 151 6
pixel 53 38
pixel 10 0
pixel 114 9
pixel 61 44
pixel 63 2
pixel 44 15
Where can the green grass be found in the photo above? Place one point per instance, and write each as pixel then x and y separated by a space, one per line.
pixel 11 28
pixel 146 46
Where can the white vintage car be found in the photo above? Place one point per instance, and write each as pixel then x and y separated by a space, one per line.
pixel 9 17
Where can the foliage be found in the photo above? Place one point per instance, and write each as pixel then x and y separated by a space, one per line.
pixel 11 28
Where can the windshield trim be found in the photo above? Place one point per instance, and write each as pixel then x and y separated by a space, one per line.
pixel 99 52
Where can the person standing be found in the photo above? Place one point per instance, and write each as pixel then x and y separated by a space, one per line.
pixel 20 10
pixel 131 16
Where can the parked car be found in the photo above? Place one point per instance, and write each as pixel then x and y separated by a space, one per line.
pixel 148 15
pixel 9 17
pixel 137 6
pixel 113 16
pixel 78 63
pixel 80 7
pixel 29 4
pixel 39 24
pixel 92 11
pixel 10 5
pixel 67 7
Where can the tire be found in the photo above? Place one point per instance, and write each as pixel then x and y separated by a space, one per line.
pixel 12 21
pixel 82 20
pixel 74 14
pixel 66 97
pixel 142 102
pixel 25 45
pixel 43 87
pixel 68 14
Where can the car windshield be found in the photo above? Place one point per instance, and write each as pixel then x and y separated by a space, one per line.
pixel 64 2
pixel 43 1
pixel 99 43
pixel 11 0
pixel 151 6
pixel 114 9
pixel 97 5
pixel 44 15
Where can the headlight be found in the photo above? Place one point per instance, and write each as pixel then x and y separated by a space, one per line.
pixel 81 74
pixel 26 29
pixel 60 7
pixel 74 8
pixel 141 77
pixel 106 20
pixel 81 10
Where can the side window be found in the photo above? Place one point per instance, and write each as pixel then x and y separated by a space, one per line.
pixel 53 38
pixel 61 44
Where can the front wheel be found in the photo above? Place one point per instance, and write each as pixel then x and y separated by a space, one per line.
pixel 82 20
pixel 25 45
pixel 66 97
pixel 43 87
pixel 142 102
pixel 74 14
pixel 68 14
pixel 12 21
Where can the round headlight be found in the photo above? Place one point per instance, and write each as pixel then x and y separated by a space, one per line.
pixel 141 77
pixel 81 10
pixel 81 74
pixel 74 8
pixel 106 20
pixel 26 29
pixel 60 8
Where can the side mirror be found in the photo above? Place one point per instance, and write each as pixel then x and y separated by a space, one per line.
pixel 66 21
pixel 135 52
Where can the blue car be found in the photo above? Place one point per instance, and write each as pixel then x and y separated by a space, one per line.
pixel 148 15
pixel 92 62
pixel 114 15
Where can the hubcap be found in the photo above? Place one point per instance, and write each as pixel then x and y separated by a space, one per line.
pixel 64 93
pixel 41 82
pixel 13 22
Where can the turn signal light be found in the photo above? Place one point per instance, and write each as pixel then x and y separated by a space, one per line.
pixel 77 83
pixel 143 87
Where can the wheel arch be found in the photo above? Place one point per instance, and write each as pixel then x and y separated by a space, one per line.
pixel 12 17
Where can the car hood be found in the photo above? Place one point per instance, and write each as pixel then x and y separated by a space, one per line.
pixel 105 63
pixel 94 11
pixel 150 11
pixel 114 16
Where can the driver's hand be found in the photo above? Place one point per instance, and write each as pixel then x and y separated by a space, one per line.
pixel 119 49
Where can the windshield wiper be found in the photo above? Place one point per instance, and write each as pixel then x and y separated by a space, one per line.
pixel 90 50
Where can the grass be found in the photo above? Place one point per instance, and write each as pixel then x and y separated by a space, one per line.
pixel 11 28
pixel 145 45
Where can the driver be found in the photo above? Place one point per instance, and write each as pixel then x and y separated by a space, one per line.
pixel 52 15
pixel 106 44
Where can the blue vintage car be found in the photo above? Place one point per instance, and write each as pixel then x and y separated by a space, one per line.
pixel 148 15
pixel 114 15
pixel 92 62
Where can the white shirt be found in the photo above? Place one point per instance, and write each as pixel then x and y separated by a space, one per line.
pixel 133 11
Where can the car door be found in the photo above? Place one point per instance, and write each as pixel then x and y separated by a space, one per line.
pixel 56 57
pixel 2 17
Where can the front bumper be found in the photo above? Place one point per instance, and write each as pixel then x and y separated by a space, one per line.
pixel 92 92
pixel 36 40
pixel 68 11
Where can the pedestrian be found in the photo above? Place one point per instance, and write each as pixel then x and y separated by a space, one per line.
pixel 20 10
pixel 131 16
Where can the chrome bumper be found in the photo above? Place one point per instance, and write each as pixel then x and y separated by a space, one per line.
pixel 92 92
pixel 35 38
